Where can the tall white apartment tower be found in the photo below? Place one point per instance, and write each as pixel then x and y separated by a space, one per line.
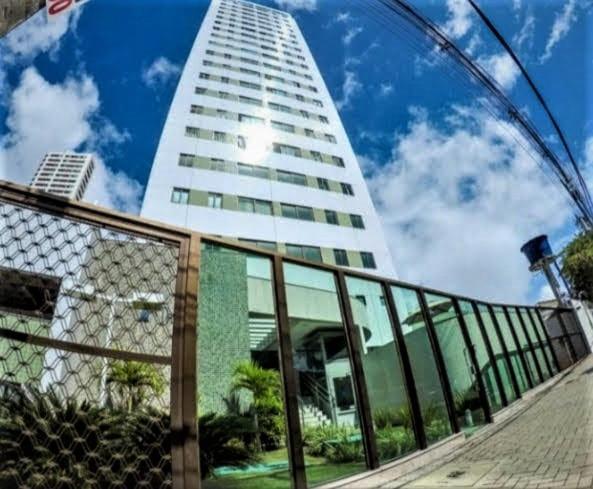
pixel 253 147
pixel 65 174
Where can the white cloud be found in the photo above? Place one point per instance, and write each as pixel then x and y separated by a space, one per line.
pixel 350 87
pixel 459 20
pixel 292 5
pixel 502 68
pixel 343 17
pixel 37 35
pixel 561 27
pixel 458 200
pixel 350 35
pixel 63 116
pixel 525 35
pixel 160 72
pixel 385 88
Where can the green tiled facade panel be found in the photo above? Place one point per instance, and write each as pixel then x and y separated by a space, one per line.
pixel 344 220
pixel 327 256
pixel 198 197
pixel 319 215
pixel 230 202
pixel 354 259
pixel 311 181
pixel 223 325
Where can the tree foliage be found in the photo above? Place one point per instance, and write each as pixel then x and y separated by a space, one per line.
pixel 134 380
pixel 578 265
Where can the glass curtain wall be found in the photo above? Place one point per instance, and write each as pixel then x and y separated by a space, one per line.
pixel 327 400
pixel 460 369
pixel 540 356
pixel 511 345
pixel 241 424
pixel 486 366
pixel 504 369
pixel 524 345
pixel 539 326
pixel 426 377
pixel 386 388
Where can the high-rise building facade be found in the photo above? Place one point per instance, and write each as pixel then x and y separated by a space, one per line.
pixel 65 174
pixel 253 147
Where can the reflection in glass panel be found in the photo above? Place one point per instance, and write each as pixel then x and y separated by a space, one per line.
pixel 327 401
pixel 482 357
pixel 524 344
pixel 497 350
pixel 539 351
pixel 242 431
pixel 382 370
pixel 424 369
pixel 509 342
pixel 462 378
pixel 542 334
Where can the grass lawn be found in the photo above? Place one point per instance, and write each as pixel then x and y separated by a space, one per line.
pixel 317 473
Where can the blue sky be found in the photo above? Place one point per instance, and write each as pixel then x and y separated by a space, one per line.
pixel 456 191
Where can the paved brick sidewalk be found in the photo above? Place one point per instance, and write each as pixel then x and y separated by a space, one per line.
pixel 548 445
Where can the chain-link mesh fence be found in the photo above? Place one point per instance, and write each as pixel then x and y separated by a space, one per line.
pixel 86 322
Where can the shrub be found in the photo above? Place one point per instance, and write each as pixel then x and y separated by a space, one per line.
pixel 317 439
pixel 345 450
pixel 437 428
pixel 221 441
pixel 391 416
pixel 394 442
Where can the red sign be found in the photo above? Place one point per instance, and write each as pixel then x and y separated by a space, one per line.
pixel 56 8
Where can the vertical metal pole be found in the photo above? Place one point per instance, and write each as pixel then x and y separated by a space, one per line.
pixel 491 356
pixel 540 318
pixel 440 362
pixel 540 340
pixel 523 326
pixel 184 429
pixel 572 353
pixel 354 345
pixel 519 348
pixel 505 350
pixel 414 402
pixel 294 435
pixel 472 355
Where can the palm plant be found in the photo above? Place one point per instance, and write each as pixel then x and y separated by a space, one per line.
pixel 264 386
pixel 133 380
pixel 220 443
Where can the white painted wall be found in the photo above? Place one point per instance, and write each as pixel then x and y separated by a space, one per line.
pixel 166 173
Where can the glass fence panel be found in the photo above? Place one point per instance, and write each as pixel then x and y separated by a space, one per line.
pixel 540 356
pixel 462 376
pixel 524 345
pixel 328 408
pixel 241 424
pixel 539 326
pixel 392 418
pixel 424 368
pixel 509 341
pixel 497 349
pixel 484 364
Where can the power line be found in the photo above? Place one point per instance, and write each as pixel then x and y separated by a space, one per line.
pixel 578 193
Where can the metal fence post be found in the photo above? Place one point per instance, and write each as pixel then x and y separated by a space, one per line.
pixel 505 350
pixel 523 326
pixel 415 409
pixel 540 341
pixel 540 318
pixel 472 355
pixel 519 348
pixel 354 345
pixel 294 434
pixel 438 355
pixel 491 356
